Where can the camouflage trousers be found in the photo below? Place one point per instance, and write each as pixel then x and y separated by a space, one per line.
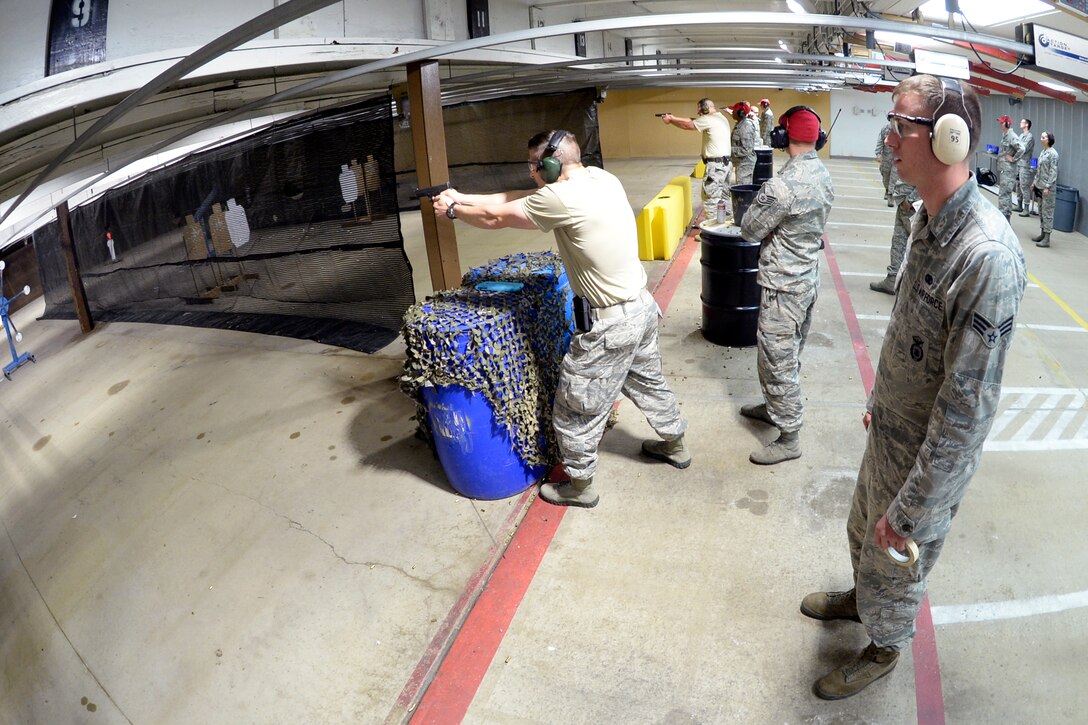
pixel 784 321
pixel 900 234
pixel 619 355
pixel 888 595
pixel 1006 185
pixel 885 175
pixel 1046 210
pixel 715 186
pixel 1025 175
pixel 746 169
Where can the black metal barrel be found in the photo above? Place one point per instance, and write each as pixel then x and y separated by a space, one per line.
pixel 730 293
pixel 764 165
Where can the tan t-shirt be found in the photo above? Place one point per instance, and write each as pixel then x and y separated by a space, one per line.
pixel 595 231
pixel 716 133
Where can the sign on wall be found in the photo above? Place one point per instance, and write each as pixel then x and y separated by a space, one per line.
pixel 77 34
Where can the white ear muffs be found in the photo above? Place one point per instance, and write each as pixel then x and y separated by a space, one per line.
pixel 951 139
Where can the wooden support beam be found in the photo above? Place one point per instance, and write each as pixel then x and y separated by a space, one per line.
pixel 75 282
pixel 429 142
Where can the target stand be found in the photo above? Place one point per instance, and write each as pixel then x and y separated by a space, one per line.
pixel 14 336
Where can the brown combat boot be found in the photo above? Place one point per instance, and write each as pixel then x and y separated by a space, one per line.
pixel 575 492
pixel 785 448
pixel 757 411
pixel 886 285
pixel 872 664
pixel 1044 242
pixel 1038 237
pixel 828 606
pixel 674 452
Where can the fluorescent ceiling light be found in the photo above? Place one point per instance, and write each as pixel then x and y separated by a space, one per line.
pixel 796 7
pixel 1057 87
pixel 987 13
pixel 911 40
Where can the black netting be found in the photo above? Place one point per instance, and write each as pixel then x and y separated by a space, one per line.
pixel 485 140
pixel 293 231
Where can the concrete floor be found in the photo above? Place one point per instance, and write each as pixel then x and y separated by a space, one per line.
pixel 204 526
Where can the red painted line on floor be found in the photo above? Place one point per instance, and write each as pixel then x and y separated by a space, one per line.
pixel 463 669
pixel 668 285
pixel 439 644
pixel 861 352
pixel 928 693
pixel 450 691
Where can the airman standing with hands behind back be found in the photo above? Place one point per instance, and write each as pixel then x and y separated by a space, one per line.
pixel 1046 183
pixel 1008 154
pixel 766 121
pixel 744 141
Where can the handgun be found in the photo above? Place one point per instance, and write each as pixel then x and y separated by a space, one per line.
pixel 431 191
pixel 661 115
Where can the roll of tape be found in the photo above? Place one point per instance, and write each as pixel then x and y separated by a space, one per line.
pixel 907 559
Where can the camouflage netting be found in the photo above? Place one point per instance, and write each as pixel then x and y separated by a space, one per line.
pixel 508 346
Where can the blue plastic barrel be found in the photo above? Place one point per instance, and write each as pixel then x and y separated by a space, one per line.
pixel 476 452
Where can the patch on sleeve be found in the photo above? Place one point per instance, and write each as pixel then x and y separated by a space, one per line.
pixel 766 196
pixel 988 331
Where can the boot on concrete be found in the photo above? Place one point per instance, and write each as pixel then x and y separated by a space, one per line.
pixel 757 411
pixel 1038 237
pixel 674 452
pixel 786 448
pixel 575 492
pixel 1025 212
pixel 828 606
pixel 886 285
pixel 1044 242
pixel 872 664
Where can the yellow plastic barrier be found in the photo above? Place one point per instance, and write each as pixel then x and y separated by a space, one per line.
pixel 664 220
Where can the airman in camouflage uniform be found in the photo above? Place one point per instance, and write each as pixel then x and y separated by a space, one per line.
pixel 714 127
pixel 766 121
pixel 788 217
pixel 588 210
pixel 1046 181
pixel 1023 166
pixel 744 141
pixel 937 386
pixel 904 195
pixel 1008 154
pixel 884 153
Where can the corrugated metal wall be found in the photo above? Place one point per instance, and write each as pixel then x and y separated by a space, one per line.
pixel 1069 123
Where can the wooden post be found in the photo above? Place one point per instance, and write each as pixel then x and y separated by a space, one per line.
pixel 429 142
pixel 75 282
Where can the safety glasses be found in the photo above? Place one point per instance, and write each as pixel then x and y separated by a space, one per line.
pixel 896 121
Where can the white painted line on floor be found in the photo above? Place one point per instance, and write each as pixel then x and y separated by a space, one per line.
pixel 851 196
pixel 863 246
pixel 1028 325
pixel 991 611
pixel 863 274
pixel 1038 417
pixel 886 210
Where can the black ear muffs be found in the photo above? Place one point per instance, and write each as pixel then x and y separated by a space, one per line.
pixel 780 138
pixel 549 167
pixel 951 136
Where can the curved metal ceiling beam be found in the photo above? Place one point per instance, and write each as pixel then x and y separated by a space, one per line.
pixel 285 13
pixel 587 26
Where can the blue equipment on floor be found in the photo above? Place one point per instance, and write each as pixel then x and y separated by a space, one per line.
pixel 17 360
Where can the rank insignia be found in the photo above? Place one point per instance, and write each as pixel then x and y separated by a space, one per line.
pixel 988 331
